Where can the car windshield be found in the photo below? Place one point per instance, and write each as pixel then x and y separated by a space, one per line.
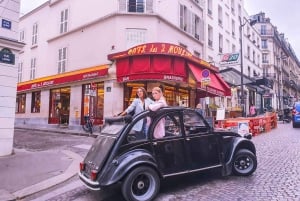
pixel 112 129
pixel 114 125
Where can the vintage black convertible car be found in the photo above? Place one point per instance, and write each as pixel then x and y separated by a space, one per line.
pixel 139 151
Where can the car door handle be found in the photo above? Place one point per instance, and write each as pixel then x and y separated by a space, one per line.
pixel 155 143
pixel 188 139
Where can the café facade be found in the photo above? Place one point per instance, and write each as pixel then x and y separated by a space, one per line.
pixel 107 89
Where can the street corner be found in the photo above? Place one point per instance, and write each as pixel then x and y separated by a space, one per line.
pixel 40 170
pixel 6 196
pixel 66 163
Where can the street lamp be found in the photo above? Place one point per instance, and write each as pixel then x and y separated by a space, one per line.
pixel 251 22
pixel 279 79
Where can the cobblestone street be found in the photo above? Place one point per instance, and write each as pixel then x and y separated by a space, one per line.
pixel 276 178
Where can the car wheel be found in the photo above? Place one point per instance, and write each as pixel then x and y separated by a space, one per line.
pixel 141 184
pixel 244 163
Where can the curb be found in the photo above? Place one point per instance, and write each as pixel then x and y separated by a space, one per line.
pixel 68 173
pixel 61 131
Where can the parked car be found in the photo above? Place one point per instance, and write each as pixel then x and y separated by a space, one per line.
pixel 139 161
pixel 296 114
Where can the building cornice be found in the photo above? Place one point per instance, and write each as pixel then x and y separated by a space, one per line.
pixel 11 44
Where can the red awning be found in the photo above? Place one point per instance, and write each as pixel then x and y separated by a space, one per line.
pixel 151 67
pixel 216 85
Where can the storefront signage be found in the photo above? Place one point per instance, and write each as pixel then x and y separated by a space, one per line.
pixel 7 57
pixel 63 78
pixel 211 90
pixel 161 49
pixel 151 76
pixel 6 24
pixel 230 58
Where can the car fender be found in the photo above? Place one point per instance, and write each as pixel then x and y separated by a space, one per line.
pixel 120 166
pixel 237 144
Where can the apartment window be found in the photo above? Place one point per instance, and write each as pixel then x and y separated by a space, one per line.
pixel 34 34
pixel 183 17
pixel 265 58
pixel 35 102
pixel 249 71
pixel 32 68
pixel 210 36
pixel 20 71
pixel 136 6
pixel 232 7
pixel 20 103
pixel 263 30
pixel 220 15
pixel 64 15
pixel 233 49
pixel 253 56
pixel 183 45
pixel 197 54
pixel 239 10
pixel 62 60
pixel 209 7
pixel 220 43
pixel 233 27
pixel 264 44
pixel 191 23
pixel 135 37
pixel 248 52
pixel 227 22
pixel 22 36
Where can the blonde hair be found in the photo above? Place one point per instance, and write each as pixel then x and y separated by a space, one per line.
pixel 157 89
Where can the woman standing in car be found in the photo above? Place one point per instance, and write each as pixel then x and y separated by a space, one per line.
pixel 160 102
pixel 138 105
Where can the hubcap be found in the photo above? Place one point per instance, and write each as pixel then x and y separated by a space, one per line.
pixel 140 185
pixel 243 163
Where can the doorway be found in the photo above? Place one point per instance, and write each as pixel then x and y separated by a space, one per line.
pixel 59 110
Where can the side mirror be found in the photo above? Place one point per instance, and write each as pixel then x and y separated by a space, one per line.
pixel 248 136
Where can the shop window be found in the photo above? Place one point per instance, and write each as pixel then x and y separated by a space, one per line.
pixel 93 101
pixel 35 102
pixel 20 103
pixel 59 106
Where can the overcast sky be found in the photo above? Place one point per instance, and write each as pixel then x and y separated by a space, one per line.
pixel 283 14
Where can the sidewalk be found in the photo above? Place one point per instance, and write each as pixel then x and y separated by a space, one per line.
pixel 61 130
pixel 25 173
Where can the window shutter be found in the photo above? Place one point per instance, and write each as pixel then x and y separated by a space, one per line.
pixel 149 6
pixel 122 5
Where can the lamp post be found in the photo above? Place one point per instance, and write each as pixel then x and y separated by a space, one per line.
pixel 242 68
pixel 251 22
pixel 279 83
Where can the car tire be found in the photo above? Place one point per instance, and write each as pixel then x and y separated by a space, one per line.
pixel 141 184
pixel 244 163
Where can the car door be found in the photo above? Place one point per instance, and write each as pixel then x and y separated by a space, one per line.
pixel 203 147
pixel 169 148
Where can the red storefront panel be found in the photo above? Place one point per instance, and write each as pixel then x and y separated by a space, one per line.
pixel 84 74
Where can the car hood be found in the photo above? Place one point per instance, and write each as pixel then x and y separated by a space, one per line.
pixel 98 153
